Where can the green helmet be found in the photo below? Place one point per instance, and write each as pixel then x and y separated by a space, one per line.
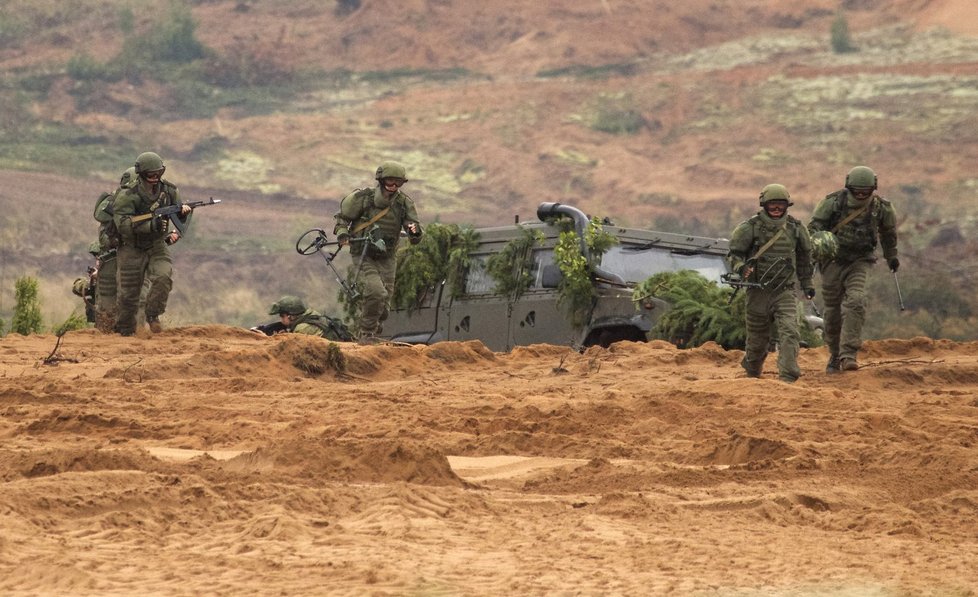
pixel 775 192
pixel 861 177
pixel 391 170
pixel 149 162
pixel 95 248
pixel 292 305
pixel 129 175
pixel 824 246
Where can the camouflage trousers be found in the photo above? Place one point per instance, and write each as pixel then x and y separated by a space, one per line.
pixel 106 297
pixel 844 295
pixel 377 282
pixel 136 267
pixel 765 307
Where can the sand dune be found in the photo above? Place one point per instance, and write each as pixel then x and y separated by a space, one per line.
pixel 210 460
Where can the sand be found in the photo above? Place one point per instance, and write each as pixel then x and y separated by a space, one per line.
pixel 211 460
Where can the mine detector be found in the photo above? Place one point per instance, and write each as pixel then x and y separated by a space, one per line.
pixel 477 312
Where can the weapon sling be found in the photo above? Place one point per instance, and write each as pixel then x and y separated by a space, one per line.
pixel 360 227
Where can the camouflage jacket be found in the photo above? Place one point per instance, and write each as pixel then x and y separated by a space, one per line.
pixel 858 237
pixel 789 256
pixel 315 324
pixel 136 201
pixel 362 205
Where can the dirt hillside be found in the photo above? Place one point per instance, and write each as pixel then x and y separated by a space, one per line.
pixel 214 460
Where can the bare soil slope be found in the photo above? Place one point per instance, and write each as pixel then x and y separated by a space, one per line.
pixel 213 460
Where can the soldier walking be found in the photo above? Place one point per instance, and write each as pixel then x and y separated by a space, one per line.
pixel 142 251
pixel 851 221
pixel 376 217
pixel 769 251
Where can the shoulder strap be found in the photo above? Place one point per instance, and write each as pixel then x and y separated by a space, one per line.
pixel 852 216
pixel 363 225
pixel 768 244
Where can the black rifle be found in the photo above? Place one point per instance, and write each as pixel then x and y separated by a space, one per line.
pixel 270 329
pixel 766 279
pixel 172 213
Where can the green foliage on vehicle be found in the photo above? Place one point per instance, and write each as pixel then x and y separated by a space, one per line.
pixel 27 308
pixel 700 310
pixel 442 255
pixel 576 292
pixel 511 267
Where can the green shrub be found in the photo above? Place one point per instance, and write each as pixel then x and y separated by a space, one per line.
pixel 510 268
pixel 841 42
pixel 27 310
pixel 83 67
pixel 700 310
pixel 576 292
pixel 75 321
pixel 616 115
pixel 442 255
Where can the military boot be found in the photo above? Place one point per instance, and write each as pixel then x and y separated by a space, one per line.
pixel 154 324
pixel 848 364
pixel 751 369
pixel 833 366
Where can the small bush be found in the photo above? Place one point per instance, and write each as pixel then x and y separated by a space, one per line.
pixel 841 41
pixel 27 311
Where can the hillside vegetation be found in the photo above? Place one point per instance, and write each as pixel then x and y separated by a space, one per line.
pixel 655 114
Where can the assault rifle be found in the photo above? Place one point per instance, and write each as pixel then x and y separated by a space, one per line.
pixel 270 329
pixel 172 213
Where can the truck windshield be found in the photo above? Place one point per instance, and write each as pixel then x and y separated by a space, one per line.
pixel 635 264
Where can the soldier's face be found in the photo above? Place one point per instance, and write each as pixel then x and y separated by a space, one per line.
pixel 392 184
pixel 861 193
pixel 153 176
pixel 776 209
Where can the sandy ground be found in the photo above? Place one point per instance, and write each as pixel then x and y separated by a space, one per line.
pixel 210 460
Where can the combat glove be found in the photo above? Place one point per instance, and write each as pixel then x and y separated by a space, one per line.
pixel 810 293
pixel 894 264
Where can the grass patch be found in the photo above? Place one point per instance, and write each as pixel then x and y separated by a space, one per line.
pixel 581 71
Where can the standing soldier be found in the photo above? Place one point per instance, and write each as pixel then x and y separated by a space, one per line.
pixel 846 227
pixel 142 251
pixel 106 300
pixel 376 217
pixel 768 251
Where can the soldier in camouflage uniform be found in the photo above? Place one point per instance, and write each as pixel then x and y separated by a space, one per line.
pixel 297 319
pixel 852 220
pixel 142 251
pixel 770 250
pixel 106 299
pixel 373 215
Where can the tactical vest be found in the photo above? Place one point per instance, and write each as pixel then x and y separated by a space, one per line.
pixel 145 205
pixel 776 266
pixel 859 236
pixel 388 226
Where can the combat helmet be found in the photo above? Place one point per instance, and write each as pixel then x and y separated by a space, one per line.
pixel 825 246
pixel 775 192
pixel 292 305
pixel 861 177
pixel 392 170
pixel 149 162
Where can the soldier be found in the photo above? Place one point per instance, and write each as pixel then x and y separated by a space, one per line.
pixel 768 251
pixel 142 251
pixel 106 305
pixel 297 319
pixel 87 287
pixel 375 217
pixel 846 227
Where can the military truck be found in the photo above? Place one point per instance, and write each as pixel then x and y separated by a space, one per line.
pixel 501 322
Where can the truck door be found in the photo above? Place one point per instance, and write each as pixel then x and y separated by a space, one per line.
pixel 480 314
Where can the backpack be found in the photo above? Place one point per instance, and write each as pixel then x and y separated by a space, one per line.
pixel 107 232
pixel 332 328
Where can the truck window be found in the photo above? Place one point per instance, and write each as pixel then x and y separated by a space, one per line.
pixel 635 264
pixel 477 279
